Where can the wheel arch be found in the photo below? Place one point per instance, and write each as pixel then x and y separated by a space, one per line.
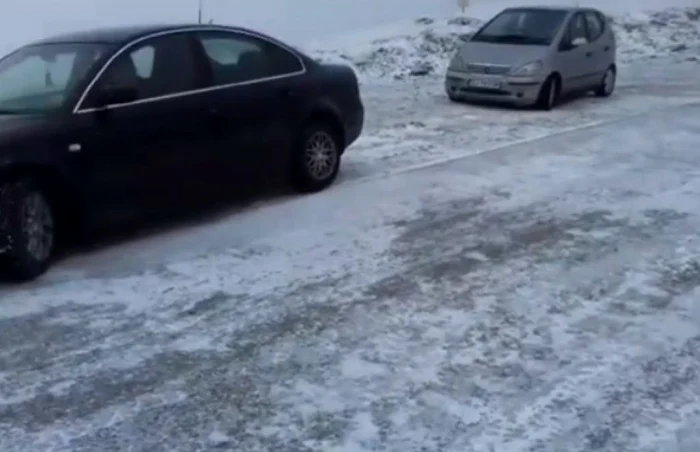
pixel 329 115
pixel 557 75
pixel 53 184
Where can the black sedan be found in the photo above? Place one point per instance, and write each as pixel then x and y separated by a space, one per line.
pixel 99 126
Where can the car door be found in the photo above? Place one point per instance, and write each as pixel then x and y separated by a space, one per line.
pixel 254 103
pixel 602 46
pixel 155 140
pixel 575 54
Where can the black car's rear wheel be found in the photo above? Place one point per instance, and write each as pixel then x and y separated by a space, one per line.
pixel 27 230
pixel 317 158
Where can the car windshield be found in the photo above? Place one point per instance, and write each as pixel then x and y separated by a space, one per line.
pixel 522 26
pixel 40 78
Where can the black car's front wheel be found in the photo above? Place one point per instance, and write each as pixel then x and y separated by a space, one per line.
pixel 27 230
pixel 317 158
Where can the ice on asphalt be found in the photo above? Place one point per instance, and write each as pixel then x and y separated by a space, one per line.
pixel 452 292
pixel 535 294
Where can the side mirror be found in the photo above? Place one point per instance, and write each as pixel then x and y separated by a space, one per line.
pixel 465 37
pixel 576 42
pixel 116 94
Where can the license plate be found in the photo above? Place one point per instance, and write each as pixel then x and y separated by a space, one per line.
pixel 484 83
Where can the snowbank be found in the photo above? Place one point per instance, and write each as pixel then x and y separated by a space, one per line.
pixel 425 46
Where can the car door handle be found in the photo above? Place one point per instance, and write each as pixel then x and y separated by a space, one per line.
pixel 216 118
pixel 214 113
pixel 287 92
pixel 606 48
pixel 589 54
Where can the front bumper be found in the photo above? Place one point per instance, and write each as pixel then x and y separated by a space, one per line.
pixel 513 90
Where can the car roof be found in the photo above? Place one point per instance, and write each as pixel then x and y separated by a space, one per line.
pixel 551 8
pixel 125 34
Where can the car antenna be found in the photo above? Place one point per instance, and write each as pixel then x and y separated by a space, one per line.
pixel 199 14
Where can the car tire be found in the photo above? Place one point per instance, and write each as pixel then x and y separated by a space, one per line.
pixel 548 97
pixel 317 158
pixel 607 84
pixel 27 230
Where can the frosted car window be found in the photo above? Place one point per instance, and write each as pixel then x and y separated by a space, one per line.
pixel 237 58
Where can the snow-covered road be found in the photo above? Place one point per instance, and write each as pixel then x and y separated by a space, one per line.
pixel 539 296
pixel 412 122
pixel 409 124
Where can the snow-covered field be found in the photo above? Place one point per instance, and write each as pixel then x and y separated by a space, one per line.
pixel 480 279
pixel 425 45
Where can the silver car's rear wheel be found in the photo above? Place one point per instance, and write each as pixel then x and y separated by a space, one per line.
pixel 607 84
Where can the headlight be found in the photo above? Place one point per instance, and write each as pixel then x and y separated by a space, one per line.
pixel 528 69
pixel 456 63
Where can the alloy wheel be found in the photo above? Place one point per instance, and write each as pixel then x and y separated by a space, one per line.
pixel 37 226
pixel 552 94
pixel 321 155
pixel 609 81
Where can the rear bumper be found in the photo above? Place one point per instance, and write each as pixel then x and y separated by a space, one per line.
pixel 353 125
pixel 512 90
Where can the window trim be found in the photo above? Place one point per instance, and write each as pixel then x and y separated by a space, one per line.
pixel 585 22
pixel 567 29
pixel 603 19
pixel 600 22
pixel 78 110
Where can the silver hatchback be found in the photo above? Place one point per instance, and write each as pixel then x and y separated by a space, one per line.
pixel 532 56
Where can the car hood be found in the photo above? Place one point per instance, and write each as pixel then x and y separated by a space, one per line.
pixel 511 55
pixel 10 124
pixel 19 131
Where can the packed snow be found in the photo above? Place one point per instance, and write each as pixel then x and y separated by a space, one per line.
pixel 479 279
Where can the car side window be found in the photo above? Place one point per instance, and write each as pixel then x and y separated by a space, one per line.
pixel 156 67
pixel 602 19
pixel 143 60
pixel 577 27
pixel 36 76
pixel 238 58
pixel 595 26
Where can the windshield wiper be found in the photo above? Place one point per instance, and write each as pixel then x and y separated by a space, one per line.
pixel 502 38
pixel 512 37
pixel 516 39
pixel 24 111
